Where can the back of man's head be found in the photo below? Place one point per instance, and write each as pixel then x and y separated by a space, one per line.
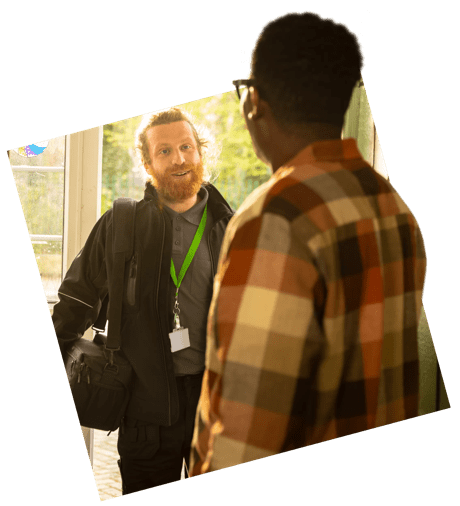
pixel 306 68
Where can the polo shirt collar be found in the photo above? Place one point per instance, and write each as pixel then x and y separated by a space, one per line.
pixel 194 214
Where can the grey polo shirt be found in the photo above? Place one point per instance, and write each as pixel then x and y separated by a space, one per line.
pixel 195 291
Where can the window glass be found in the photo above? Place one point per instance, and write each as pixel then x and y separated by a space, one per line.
pixel 38 171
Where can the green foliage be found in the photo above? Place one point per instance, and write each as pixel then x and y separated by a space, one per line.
pixel 221 115
pixel 49 265
pixel 118 145
pixel 41 196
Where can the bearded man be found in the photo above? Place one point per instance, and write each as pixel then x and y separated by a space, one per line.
pixel 179 209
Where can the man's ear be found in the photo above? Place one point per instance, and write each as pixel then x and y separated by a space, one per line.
pixel 148 168
pixel 256 107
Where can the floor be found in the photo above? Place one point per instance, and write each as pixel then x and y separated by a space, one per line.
pixel 105 467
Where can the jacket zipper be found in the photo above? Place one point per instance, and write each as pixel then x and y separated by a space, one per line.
pixel 131 288
pixel 159 321
pixel 210 254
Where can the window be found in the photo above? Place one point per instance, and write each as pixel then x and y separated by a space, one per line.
pixel 40 183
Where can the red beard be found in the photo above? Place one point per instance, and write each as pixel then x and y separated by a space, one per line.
pixel 179 188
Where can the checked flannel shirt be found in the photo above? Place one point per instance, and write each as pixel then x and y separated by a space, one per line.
pixel 312 330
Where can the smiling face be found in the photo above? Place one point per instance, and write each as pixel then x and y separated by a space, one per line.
pixel 176 167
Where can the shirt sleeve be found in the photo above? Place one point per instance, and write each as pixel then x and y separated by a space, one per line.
pixel 264 334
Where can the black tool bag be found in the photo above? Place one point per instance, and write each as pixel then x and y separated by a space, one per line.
pixel 99 374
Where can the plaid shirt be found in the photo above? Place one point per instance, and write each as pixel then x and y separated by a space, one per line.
pixel 312 331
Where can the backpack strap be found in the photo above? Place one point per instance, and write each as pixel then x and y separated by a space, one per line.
pixel 124 219
pixel 123 223
pixel 99 324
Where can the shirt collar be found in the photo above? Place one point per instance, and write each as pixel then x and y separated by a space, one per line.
pixel 329 150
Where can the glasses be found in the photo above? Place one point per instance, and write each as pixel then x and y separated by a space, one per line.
pixel 241 85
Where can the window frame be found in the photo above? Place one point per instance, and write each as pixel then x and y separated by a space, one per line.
pixel 82 190
pixel 82 207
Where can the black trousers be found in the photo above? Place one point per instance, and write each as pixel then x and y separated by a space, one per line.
pixel 152 455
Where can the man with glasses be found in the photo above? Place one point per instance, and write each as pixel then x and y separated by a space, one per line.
pixel 312 331
pixel 180 225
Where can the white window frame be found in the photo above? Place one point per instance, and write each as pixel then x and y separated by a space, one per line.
pixel 82 206
pixel 82 192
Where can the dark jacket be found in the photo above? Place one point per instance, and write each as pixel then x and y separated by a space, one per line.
pixel 146 315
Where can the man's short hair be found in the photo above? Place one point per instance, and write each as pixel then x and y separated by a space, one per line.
pixel 164 118
pixel 306 68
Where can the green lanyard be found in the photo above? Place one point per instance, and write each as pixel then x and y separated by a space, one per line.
pixel 188 260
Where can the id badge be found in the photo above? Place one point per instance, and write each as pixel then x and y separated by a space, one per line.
pixel 179 339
